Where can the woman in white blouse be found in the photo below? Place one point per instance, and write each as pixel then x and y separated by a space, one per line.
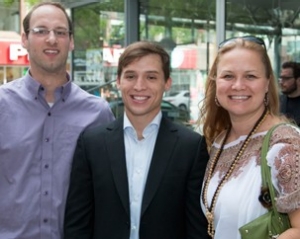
pixel 241 104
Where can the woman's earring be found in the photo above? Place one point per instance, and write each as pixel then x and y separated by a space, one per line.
pixel 266 99
pixel 217 102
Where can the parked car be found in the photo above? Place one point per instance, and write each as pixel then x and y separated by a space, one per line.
pixel 169 110
pixel 180 99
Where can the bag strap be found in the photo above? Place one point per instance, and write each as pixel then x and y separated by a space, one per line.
pixel 265 169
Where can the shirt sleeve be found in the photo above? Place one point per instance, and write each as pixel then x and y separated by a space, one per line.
pixel 283 158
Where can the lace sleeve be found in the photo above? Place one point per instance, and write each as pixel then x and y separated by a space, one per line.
pixel 284 159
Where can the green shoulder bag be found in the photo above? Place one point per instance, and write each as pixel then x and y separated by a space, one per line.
pixel 271 224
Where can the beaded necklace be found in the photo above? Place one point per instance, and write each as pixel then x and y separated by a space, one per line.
pixel 210 210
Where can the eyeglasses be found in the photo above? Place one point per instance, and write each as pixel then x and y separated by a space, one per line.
pixel 42 32
pixel 285 78
pixel 254 39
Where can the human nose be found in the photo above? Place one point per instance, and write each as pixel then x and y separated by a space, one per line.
pixel 140 84
pixel 51 38
pixel 238 83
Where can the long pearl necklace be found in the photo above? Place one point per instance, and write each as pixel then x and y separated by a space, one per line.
pixel 210 210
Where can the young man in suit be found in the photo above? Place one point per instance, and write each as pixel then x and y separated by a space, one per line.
pixel 139 177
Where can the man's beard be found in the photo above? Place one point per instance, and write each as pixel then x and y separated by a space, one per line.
pixel 290 90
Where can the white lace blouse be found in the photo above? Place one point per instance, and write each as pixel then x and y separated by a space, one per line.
pixel 237 203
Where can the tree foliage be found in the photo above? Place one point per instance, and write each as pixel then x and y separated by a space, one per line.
pixel 8 3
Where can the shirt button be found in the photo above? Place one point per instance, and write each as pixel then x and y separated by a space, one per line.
pixel 47 140
pixel 133 227
pixel 49 113
pixel 46 166
pixel 45 220
pixel 46 193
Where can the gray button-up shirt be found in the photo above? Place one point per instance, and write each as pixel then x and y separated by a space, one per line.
pixel 36 150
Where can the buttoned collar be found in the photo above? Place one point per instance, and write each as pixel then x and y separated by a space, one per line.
pixel 35 88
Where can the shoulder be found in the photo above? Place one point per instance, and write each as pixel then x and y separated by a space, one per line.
pixel 12 85
pixel 285 133
pixel 12 93
pixel 105 130
pixel 284 149
pixel 86 100
pixel 180 130
pixel 79 94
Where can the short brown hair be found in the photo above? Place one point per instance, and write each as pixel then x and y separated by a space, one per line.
pixel 143 48
pixel 26 21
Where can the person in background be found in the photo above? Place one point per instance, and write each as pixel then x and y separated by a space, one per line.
pixel 289 82
pixel 241 104
pixel 42 115
pixel 139 177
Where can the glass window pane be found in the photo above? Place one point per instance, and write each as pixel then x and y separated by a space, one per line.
pixel 186 29
pixel 276 21
pixel 99 41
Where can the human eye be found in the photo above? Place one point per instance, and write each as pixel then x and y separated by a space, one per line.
pixel 151 77
pixel 227 77
pixel 250 77
pixel 129 76
pixel 40 31
pixel 61 32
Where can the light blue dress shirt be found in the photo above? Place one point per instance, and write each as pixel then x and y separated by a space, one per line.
pixel 138 159
pixel 36 148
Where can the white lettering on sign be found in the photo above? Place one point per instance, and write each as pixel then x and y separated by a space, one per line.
pixel 112 55
pixel 15 51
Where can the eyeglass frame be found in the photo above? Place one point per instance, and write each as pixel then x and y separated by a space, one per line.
pixel 285 78
pixel 250 38
pixel 35 31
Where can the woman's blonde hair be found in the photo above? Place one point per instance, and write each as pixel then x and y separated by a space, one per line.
pixel 215 119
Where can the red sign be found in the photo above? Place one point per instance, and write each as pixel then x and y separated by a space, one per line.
pixel 13 54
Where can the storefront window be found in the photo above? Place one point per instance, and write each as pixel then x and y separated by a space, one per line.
pixel 99 41
pixel 8 74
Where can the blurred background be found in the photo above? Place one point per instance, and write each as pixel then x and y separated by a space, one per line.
pixel 189 30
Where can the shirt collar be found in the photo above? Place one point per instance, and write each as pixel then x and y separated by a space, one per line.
pixel 148 129
pixel 35 87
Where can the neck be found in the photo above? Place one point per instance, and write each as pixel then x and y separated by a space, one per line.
pixel 294 94
pixel 139 124
pixel 50 82
pixel 241 127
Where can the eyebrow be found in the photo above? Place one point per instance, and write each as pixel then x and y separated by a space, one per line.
pixel 150 71
pixel 43 26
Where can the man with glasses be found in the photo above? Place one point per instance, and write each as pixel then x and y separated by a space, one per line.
pixel 289 82
pixel 42 115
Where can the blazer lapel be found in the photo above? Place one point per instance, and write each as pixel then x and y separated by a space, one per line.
pixel 116 152
pixel 166 140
